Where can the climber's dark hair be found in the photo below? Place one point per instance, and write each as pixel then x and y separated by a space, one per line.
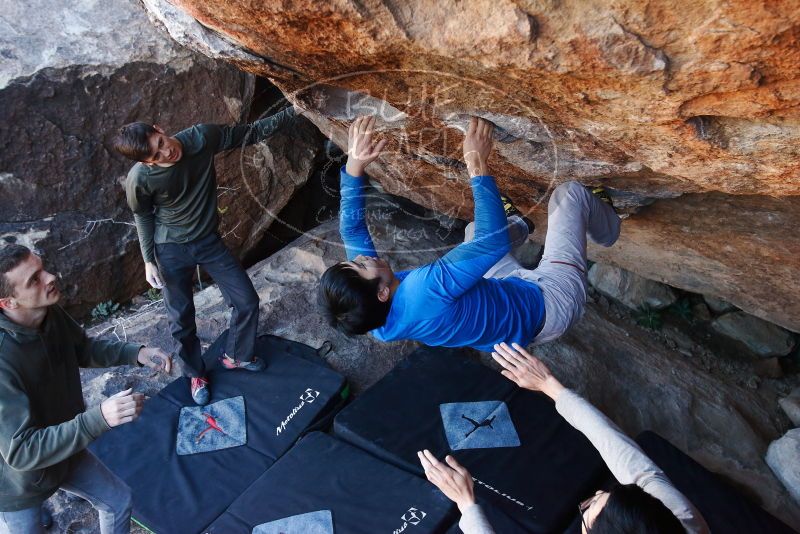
pixel 632 510
pixel 350 303
pixel 132 140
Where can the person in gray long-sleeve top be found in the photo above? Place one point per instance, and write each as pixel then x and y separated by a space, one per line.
pixel 645 500
pixel 172 191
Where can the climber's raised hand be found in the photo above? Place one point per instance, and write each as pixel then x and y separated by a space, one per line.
pixel 478 145
pixel 362 146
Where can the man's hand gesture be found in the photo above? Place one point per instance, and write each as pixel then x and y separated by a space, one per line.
pixel 122 408
pixel 477 146
pixel 152 275
pixel 451 478
pixel 362 147
pixel 525 370
pixel 155 358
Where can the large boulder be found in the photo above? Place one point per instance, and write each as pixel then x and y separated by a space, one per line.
pixel 74 71
pixel 718 305
pixel 791 406
pixel 627 372
pixel 693 106
pixel 630 289
pixel 783 457
pixel 764 339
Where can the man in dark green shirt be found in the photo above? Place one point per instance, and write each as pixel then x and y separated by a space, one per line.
pixel 172 191
pixel 44 424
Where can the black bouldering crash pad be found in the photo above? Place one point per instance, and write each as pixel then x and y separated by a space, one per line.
pixel 185 464
pixel 325 486
pixel 527 461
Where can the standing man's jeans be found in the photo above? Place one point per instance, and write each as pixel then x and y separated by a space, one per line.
pixel 573 212
pixel 91 480
pixel 177 263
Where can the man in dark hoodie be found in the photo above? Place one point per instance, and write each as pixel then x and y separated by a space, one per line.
pixel 44 424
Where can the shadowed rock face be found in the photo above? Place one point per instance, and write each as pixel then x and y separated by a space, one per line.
pixel 73 73
pixel 659 99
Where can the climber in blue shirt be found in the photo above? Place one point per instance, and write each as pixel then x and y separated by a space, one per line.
pixel 476 295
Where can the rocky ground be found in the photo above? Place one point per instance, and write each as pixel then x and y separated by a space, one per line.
pixel 709 402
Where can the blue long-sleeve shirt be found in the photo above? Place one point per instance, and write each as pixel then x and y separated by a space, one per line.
pixel 448 302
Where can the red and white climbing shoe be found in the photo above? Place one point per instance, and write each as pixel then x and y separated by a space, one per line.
pixel 201 390
pixel 256 364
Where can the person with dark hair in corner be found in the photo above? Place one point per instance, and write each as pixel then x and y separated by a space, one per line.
pixel 172 191
pixel 476 295
pixel 644 501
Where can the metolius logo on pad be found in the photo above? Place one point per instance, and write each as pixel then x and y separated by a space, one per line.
pixel 506 495
pixel 413 517
pixel 308 396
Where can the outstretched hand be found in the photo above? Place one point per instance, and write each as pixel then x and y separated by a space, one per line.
pixel 122 407
pixel 362 147
pixel 526 370
pixel 477 146
pixel 451 478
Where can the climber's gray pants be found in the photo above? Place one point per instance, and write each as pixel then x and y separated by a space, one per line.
pixel 573 212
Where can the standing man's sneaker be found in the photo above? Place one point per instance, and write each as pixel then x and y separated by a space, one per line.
pixel 201 390
pixel 511 209
pixel 256 364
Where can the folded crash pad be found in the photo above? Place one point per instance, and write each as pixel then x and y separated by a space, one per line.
pixel 186 463
pixel 325 486
pixel 527 462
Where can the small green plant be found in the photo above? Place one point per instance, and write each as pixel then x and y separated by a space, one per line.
pixel 649 318
pixel 683 309
pixel 105 309
pixel 153 294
